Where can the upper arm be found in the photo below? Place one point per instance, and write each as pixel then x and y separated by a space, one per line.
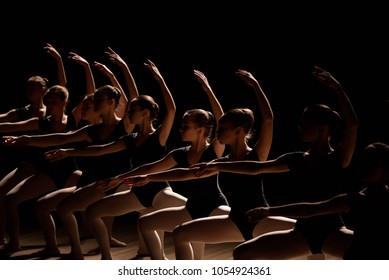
pixel 166 127
pixel 265 138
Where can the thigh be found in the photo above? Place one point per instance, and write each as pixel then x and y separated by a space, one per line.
pixel 14 177
pixel 273 223
pixel 117 204
pixel 221 210
pixel 279 245
pixel 165 219
pixel 80 199
pixel 212 230
pixel 50 201
pixel 167 198
pixel 73 179
pixel 33 187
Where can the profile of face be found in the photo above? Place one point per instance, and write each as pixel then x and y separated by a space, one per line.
pixel 188 130
pixel 35 90
pixel 87 108
pixel 101 102
pixel 136 113
pixel 226 132
pixel 309 130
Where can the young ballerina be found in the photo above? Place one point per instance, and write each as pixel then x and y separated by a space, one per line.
pixel 366 209
pixel 105 123
pixel 44 176
pixel 317 170
pixel 109 129
pixel 146 145
pixel 36 87
pixel 204 198
pixel 242 191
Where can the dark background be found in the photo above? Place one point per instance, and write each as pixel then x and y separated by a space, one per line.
pixel 279 45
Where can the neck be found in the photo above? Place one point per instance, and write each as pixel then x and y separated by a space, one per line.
pixel 239 151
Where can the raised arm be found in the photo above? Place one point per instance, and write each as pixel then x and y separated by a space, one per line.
pixel 349 137
pixel 60 66
pixel 130 81
pixel 90 83
pixel 121 108
pixel 265 135
pixel 168 119
pixel 216 108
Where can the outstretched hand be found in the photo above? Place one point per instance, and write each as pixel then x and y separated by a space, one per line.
pixel 15 141
pixel 325 77
pixel 202 80
pixel 52 51
pixel 79 59
pixel 114 57
pixel 247 77
pixel 136 181
pixel 257 214
pixel 55 155
pixel 107 184
pixel 154 69
pixel 202 168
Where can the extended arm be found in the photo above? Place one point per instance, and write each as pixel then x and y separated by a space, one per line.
pixel 92 150
pixel 336 204
pixel 48 140
pixel 27 125
pixel 243 167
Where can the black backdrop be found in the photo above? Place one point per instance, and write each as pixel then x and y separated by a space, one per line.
pixel 279 45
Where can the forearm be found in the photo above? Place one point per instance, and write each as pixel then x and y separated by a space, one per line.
pixel 130 82
pixel 295 211
pixel 95 150
pixel 62 80
pixel 217 109
pixel 264 104
pixel 347 110
pixel 242 167
pixel 308 209
pixel 167 96
pixel 177 174
pixel 140 170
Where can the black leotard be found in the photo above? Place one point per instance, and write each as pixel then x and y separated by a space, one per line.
pixel 316 178
pixel 96 168
pixel 59 170
pixel 204 195
pixel 149 151
pixel 243 192
pixel 368 218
